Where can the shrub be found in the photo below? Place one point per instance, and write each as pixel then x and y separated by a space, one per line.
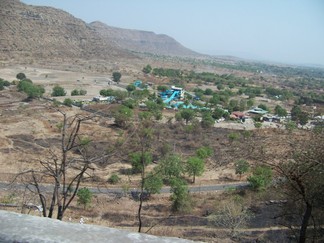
pixel 181 200
pixel 3 83
pixel 32 91
pixel 58 91
pixel 261 177
pixel 241 167
pixel 21 76
pixel 116 76
pixel 82 92
pixel 233 136
pixel 263 107
pixel 114 179
pixel 204 152
pixel 153 183
pixel 84 197
pixel 257 124
pixel 68 102
pixel 75 92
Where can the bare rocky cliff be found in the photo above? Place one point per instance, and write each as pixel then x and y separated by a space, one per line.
pixel 31 32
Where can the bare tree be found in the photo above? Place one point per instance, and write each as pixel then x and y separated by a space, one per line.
pixel 302 182
pixel 64 168
pixel 231 215
pixel 144 137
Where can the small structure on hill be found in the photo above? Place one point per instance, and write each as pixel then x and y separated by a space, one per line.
pixel 257 111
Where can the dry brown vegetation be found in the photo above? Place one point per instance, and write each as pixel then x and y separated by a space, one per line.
pixel 29 129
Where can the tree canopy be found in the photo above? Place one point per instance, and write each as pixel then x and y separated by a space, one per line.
pixel 195 167
pixel 116 76
pixel 21 76
pixel 32 90
pixel 58 91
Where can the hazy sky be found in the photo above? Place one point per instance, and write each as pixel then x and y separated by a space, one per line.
pixel 288 31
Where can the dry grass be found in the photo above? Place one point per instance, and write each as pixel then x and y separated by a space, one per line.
pixel 27 128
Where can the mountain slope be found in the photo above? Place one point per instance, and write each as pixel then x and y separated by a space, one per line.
pixel 47 32
pixel 31 32
pixel 142 41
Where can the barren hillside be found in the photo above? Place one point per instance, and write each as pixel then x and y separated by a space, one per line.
pixel 30 33
pixel 142 41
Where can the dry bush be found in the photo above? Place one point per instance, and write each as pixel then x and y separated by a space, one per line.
pixel 169 231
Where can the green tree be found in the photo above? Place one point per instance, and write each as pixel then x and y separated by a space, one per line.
pixel 241 167
pixel 295 113
pixel 75 92
pixel 204 152
pixel 181 200
pixel 195 167
pixel 84 197
pixel 290 126
pixel 153 183
pixel 120 95
pixel 83 92
pixel 68 102
pixel 3 83
pixel 143 138
pixel 242 105
pixel 139 160
pixel 187 114
pixel 123 116
pixel 303 118
pixel 116 76
pixel 21 76
pixel 218 113
pixel 208 91
pixel 250 103
pixel 147 69
pixel 207 120
pixel 107 92
pixel 130 88
pixel 299 116
pixel 220 86
pixel 171 166
pixel 263 107
pixel 58 91
pixel 114 179
pixel 233 105
pixel 280 111
pixel 261 177
pixel 155 109
pixel 130 103
pixel 32 91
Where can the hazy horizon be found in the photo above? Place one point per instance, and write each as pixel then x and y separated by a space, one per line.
pixel 290 31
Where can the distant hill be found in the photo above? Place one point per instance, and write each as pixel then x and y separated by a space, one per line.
pixel 142 41
pixel 48 33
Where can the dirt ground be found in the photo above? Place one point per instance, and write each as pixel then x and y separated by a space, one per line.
pixel 69 80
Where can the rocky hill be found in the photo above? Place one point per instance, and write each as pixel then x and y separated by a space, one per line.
pixel 48 33
pixel 142 41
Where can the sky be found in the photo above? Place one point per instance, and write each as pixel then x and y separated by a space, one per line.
pixel 283 31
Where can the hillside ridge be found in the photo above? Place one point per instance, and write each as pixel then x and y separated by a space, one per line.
pixel 37 32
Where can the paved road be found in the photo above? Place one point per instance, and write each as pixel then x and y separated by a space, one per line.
pixel 106 190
